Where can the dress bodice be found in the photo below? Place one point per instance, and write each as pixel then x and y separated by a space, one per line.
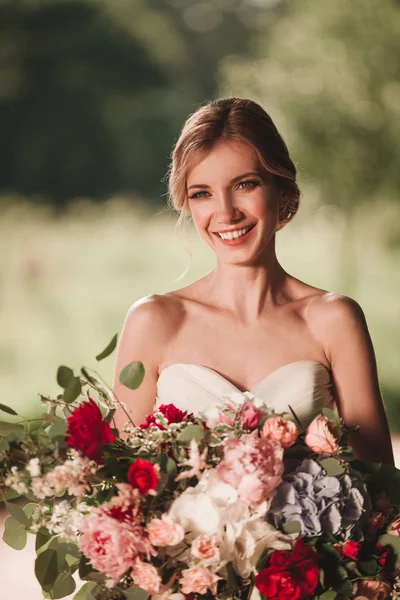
pixel 304 385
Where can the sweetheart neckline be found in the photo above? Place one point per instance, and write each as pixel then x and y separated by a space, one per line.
pixel 305 360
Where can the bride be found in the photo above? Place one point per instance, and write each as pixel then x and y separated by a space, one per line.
pixel 248 325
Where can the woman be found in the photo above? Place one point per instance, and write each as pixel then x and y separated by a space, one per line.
pixel 248 325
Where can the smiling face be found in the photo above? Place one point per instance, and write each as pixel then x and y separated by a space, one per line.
pixel 230 194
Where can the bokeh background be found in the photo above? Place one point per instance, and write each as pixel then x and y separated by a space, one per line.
pixel 93 95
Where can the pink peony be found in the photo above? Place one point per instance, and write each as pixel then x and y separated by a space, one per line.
pixel 205 548
pixel 112 545
pixel 250 416
pixel 370 589
pixel 164 531
pixel 280 430
pixel 252 465
pixel 198 580
pixel 146 576
pixel 322 436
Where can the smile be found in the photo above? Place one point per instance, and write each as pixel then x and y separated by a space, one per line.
pixel 235 236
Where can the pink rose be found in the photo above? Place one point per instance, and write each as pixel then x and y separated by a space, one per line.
pixel 322 436
pixel 371 589
pixel 112 545
pixel 280 430
pixel 250 416
pixel 252 465
pixel 205 548
pixel 395 527
pixel 198 580
pixel 146 576
pixel 164 531
pixel 224 418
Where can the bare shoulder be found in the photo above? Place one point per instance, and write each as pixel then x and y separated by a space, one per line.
pixel 337 319
pixel 160 312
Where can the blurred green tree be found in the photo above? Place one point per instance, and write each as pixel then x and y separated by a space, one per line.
pixel 329 74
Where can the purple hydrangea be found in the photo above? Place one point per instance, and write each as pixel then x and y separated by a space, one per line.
pixel 319 502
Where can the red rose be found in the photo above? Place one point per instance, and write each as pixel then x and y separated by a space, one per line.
pixel 170 412
pixel 290 575
pixel 87 431
pixel 143 475
pixel 386 557
pixel 351 549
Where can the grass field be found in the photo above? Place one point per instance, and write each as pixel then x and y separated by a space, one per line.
pixel 66 283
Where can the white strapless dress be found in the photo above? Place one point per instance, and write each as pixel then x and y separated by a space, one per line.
pixel 305 385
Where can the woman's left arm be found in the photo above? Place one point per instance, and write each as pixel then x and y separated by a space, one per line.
pixel 349 349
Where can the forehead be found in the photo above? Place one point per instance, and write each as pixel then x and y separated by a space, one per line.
pixel 224 161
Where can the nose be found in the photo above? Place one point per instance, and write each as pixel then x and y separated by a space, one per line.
pixel 227 209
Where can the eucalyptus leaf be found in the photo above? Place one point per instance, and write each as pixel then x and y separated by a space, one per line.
pixel 42 540
pixel 64 586
pixel 64 376
pixel 191 432
pixel 72 390
pixel 332 466
pixel 11 428
pixel 330 414
pixel 345 588
pixel 14 534
pixel 17 513
pixel 328 595
pixel 132 375
pixel 4 445
pixel 368 567
pixel 109 349
pixel 85 592
pixel 292 527
pixel 46 568
pixel 8 410
pixel 29 508
pixel 58 429
pixel 136 593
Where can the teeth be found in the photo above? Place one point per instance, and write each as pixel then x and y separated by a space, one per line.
pixel 234 234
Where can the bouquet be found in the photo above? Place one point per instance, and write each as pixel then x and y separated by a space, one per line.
pixel 235 502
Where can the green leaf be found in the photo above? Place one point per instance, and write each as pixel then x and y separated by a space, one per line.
pixel 109 349
pixel 329 549
pixel 62 549
pixel 328 595
pixel 110 415
pixel 232 582
pixel 4 445
pixel 46 568
pixel 8 410
pixel 394 541
pixel 368 567
pixel 64 376
pixel 8 428
pixel 85 592
pixel 72 390
pixel 132 375
pixel 136 593
pixel 191 432
pixel 58 429
pixel 17 513
pixel 64 586
pixel 345 588
pixel 42 539
pixel 332 466
pixel 14 534
pixel 292 527
pixel 329 414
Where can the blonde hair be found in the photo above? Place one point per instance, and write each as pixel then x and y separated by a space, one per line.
pixel 230 119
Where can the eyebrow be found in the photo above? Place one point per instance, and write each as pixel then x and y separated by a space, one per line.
pixel 203 185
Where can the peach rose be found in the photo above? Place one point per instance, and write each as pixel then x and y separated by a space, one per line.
pixel 164 531
pixel 205 548
pixel 370 589
pixel 146 576
pixel 198 580
pixel 322 436
pixel 280 430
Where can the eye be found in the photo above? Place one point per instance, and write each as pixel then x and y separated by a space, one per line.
pixel 197 194
pixel 249 183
